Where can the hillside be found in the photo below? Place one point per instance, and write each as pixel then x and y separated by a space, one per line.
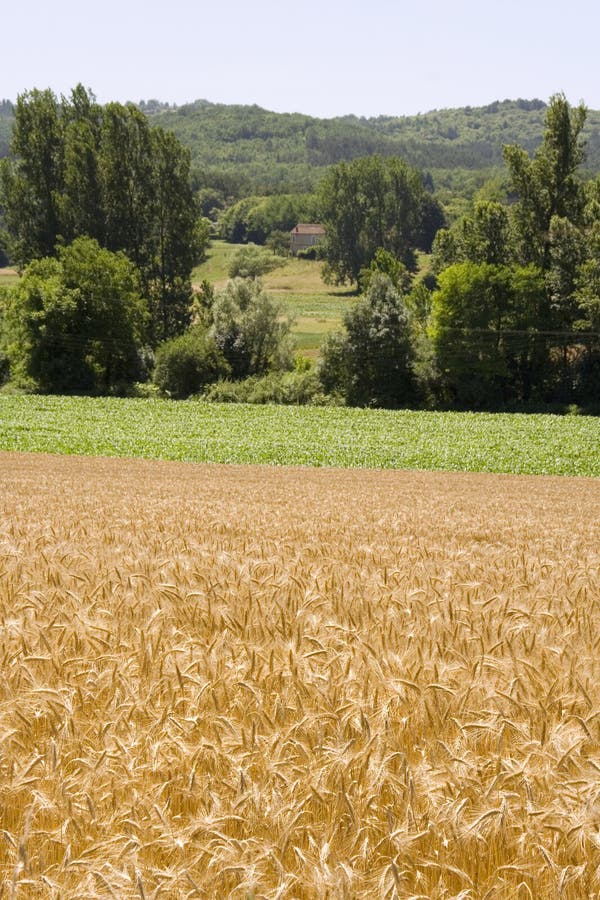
pixel 253 150
pixel 274 150
pixel 6 121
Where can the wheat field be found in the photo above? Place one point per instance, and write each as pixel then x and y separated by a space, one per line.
pixel 252 682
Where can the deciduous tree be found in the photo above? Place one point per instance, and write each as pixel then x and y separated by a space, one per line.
pixel 371 364
pixel 367 204
pixel 75 323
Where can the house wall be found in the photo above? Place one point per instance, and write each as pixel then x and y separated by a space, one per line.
pixel 302 241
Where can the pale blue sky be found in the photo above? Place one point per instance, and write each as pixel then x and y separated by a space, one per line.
pixel 323 58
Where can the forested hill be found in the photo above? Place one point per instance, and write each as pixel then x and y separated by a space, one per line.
pixel 291 147
pixel 258 149
pixel 6 120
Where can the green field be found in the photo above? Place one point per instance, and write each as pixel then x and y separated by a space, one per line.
pixel 7 277
pixel 197 432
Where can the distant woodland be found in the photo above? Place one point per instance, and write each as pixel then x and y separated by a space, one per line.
pixel 245 150
pixel 471 238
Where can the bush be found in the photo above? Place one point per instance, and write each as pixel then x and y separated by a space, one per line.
pixel 186 364
pixel 249 328
pixel 252 262
pixel 311 253
pixel 278 242
pixel 297 388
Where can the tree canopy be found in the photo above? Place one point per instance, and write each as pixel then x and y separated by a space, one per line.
pixel 368 204
pixel 514 319
pixel 76 322
pixel 371 364
pixel 77 168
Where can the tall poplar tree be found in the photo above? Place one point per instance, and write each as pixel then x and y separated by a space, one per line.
pixel 547 184
pixel 81 169
pixel 32 181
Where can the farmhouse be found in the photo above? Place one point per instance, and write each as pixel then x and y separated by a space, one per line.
pixel 304 236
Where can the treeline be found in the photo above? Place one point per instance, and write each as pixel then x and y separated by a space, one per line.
pixel 244 150
pixel 509 317
pixel 289 152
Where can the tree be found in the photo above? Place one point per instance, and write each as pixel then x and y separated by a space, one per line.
pixel 517 283
pixel 126 177
pixel 482 236
pixel 253 219
pixel 81 202
pixel 547 185
pixel 367 204
pixel 385 263
pixel 78 168
pixel 177 236
pixel 76 322
pixel 483 332
pixel 251 261
pixel 249 329
pixel 372 363
pixel 32 183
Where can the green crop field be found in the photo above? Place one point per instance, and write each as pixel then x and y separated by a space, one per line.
pixel 308 436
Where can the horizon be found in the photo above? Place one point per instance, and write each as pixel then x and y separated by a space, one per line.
pixel 172 105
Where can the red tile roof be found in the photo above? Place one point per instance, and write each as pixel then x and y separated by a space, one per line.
pixel 308 229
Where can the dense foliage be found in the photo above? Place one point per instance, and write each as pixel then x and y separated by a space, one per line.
pixel 251 261
pixel 248 328
pixel 75 322
pixel 78 168
pixel 515 317
pixel 256 218
pixel 275 152
pixel 239 333
pixel 369 204
pixel 242 150
pixel 371 363
pixel 185 364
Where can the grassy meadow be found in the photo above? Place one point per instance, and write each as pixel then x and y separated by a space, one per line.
pixel 244 682
pixel 8 277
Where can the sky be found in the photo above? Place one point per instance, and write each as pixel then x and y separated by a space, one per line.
pixel 321 57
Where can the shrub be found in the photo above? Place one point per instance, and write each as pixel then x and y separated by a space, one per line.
pixel 297 388
pixel 279 242
pixel 250 329
pixel 186 364
pixel 252 262
pixel 311 253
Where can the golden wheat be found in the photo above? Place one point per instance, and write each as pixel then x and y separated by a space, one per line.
pixel 250 682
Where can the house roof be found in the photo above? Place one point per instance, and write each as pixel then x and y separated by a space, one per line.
pixel 304 228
